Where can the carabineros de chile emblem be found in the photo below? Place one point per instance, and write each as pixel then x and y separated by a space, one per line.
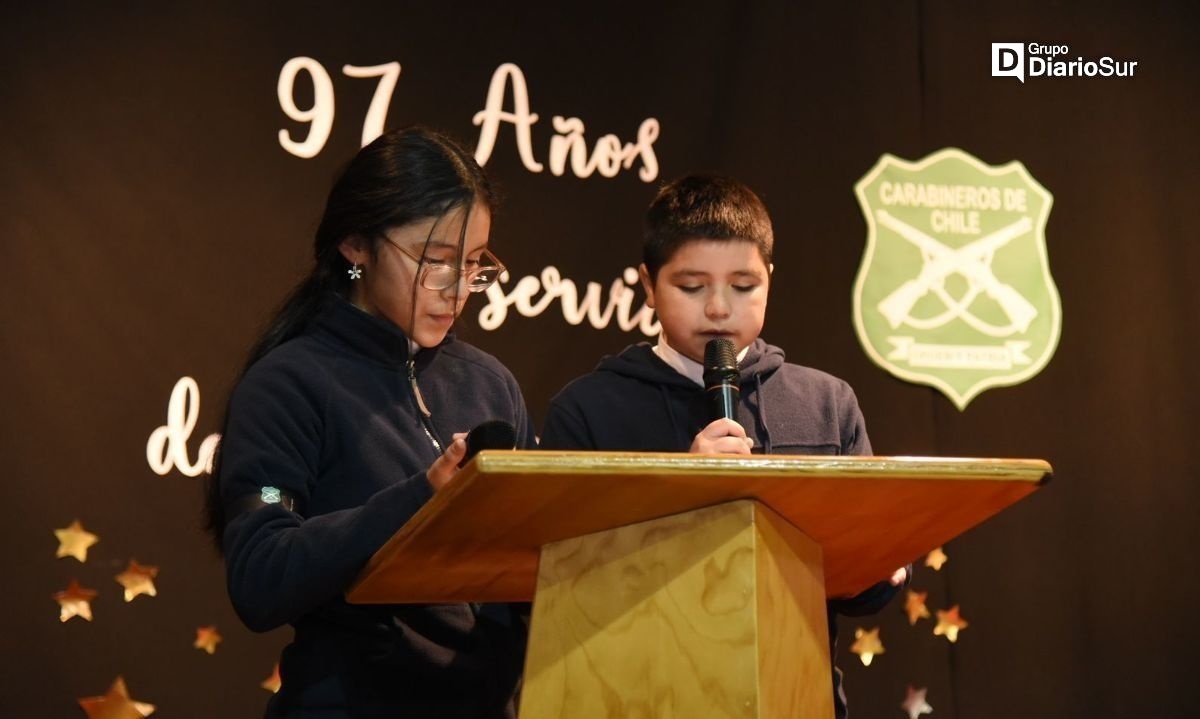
pixel 954 290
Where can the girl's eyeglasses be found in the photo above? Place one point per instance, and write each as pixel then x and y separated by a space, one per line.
pixel 481 273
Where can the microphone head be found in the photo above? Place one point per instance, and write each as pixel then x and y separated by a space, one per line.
pixel 493 434
pixel 720 361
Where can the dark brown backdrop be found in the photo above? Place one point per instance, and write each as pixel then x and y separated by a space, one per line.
pixel 152 221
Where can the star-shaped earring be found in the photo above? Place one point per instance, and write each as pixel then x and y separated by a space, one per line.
pixel 355 272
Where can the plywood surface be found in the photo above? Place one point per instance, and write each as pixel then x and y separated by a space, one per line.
pixel 718 612
pixel 479 538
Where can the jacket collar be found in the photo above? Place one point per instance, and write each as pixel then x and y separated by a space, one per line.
pixel 683 364
pixel 374 338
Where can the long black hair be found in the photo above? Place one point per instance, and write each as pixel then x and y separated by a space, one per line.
pixel 404 176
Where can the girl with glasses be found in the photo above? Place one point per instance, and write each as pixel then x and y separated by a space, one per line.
pixel 348 416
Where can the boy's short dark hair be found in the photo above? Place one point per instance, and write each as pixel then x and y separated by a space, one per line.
pixel 703 207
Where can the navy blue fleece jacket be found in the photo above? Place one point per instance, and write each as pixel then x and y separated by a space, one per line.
pixel 330 418
pixel 634 401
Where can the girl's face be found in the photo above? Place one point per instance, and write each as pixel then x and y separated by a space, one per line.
pixel 390 285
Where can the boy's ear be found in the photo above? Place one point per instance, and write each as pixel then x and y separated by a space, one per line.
pixel 647 285
pixel 771 269
pixel 355 249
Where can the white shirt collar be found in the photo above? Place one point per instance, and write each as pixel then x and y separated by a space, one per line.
pixel 684 365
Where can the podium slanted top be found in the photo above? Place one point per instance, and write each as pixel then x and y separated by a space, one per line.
pixel 479 538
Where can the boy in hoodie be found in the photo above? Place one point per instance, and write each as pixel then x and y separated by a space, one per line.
pixel 706 270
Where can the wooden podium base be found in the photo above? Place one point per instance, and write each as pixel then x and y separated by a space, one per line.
pixel 717 612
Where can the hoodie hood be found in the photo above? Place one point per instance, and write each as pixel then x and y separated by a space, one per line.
pixel 639 362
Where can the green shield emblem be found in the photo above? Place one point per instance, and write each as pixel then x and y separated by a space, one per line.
pixel 954 290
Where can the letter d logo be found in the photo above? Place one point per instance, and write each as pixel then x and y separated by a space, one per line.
pixel 1008 60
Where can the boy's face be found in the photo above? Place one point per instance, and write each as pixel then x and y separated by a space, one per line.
pixel 710 289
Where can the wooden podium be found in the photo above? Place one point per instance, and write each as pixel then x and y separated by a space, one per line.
pixel 679 585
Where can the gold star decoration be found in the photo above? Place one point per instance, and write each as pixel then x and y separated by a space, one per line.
pixel 137 579
pixel 74 540
pixel 272 683
pixel 915 704
pixel 949 623
pixel 936 559
pixel 75 601
pixel 116 704
pixel 207 638
pixel 914 605
pixel 866 644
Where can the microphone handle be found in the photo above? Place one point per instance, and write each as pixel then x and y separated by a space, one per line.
pixel 723 400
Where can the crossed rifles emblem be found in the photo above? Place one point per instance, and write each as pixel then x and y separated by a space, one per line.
pixel 974 262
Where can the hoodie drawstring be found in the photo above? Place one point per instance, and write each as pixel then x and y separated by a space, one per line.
pixel 762 413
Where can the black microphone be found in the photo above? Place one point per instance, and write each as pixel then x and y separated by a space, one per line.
pixel 493 434
pixel 721 379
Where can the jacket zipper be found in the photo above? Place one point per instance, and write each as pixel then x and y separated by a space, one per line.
pixel 475 607
pixel 424 411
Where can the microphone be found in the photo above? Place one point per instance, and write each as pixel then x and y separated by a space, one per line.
pixel 493 434
pixel 721 379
